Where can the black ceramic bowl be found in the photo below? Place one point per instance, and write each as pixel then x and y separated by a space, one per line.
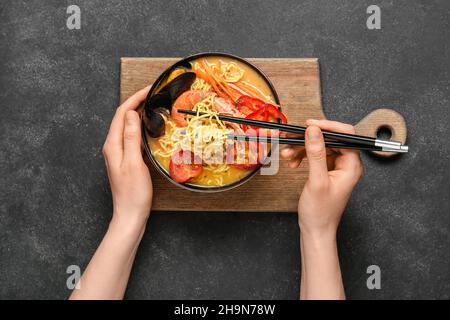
pixel 166 73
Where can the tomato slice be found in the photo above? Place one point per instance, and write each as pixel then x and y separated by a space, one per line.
pixel 178 117
pixel 184 166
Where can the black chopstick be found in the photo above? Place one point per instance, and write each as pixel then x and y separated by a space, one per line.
pixel 301 142
pixel 343 137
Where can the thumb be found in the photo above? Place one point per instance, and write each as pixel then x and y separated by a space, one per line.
pixel 317 156
pixel 132 138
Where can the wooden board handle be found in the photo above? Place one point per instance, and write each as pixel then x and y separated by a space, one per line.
pixel 383 119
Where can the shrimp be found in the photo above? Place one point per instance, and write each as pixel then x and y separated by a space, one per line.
pixel 225 107
pixel 186 101
pixel 190 98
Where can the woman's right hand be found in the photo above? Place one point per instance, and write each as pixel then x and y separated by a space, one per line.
pixel 333 174
pixel 131 184
pixel 107 274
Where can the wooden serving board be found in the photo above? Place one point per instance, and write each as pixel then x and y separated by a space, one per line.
pixel 297 82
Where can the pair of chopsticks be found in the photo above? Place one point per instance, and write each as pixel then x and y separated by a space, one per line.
pixel 342 140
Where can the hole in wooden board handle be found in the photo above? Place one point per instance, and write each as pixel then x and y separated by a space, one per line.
pixel 383 118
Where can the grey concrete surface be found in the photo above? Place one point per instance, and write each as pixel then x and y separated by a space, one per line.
pixel 59 89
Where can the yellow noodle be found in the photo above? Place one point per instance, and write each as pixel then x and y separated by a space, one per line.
pixel 231 72
pixel 213 132
pixel 200 84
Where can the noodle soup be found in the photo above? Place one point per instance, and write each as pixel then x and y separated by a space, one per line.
pixel 222 85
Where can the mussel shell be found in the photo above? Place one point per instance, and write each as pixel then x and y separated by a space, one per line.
pixel 160 100
pixel 181 64
pixel 180 84
pixel 154 124
pixel 165 98
pixel 167 95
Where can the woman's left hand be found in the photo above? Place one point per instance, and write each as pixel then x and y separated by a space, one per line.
pixel 130 180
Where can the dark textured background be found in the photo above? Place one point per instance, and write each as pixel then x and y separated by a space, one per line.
pixel 59 89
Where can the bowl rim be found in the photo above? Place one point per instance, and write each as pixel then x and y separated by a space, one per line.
pixel 148 152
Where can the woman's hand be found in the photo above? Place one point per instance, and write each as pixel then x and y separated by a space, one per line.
pixel 107 274
pixel 332 176
pixel 130 180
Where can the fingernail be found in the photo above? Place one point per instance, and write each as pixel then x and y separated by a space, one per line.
pixel 311 121
pixel 287 152
pixel 313 133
